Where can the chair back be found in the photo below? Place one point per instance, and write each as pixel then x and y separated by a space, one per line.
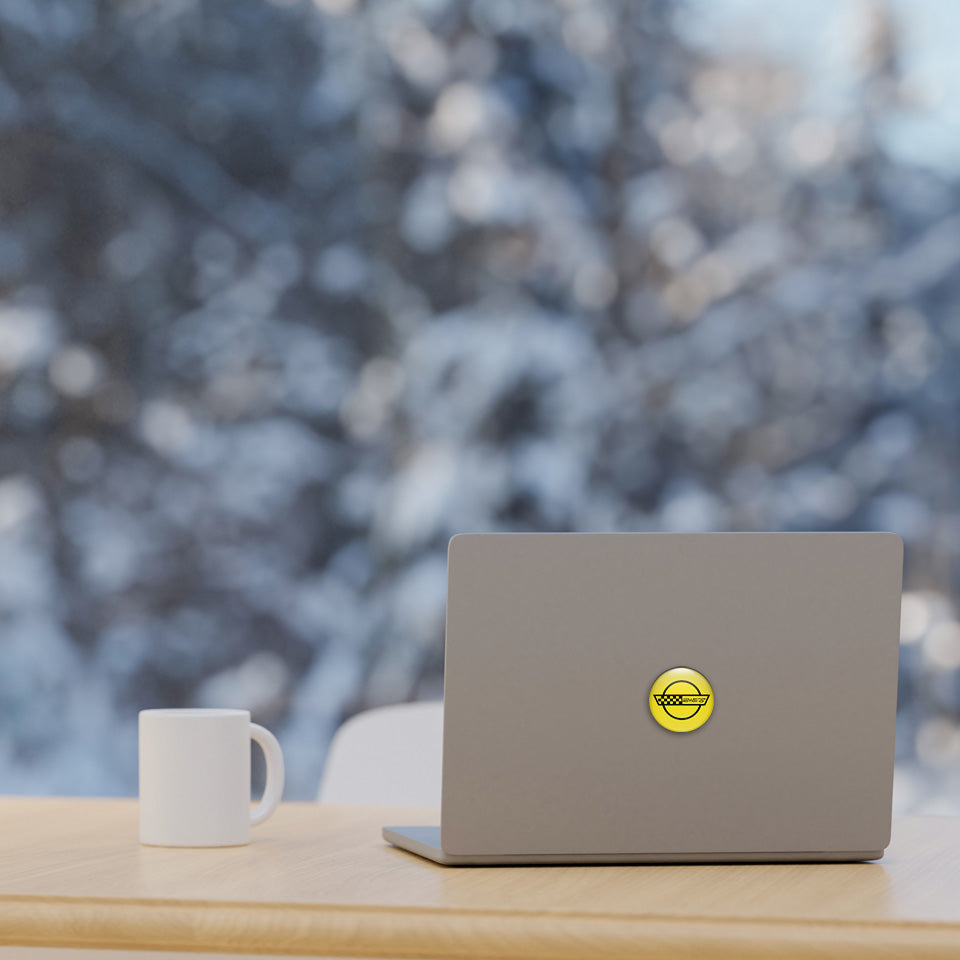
pixel 390 755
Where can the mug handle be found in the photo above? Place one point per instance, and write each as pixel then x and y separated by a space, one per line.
pixel 273 788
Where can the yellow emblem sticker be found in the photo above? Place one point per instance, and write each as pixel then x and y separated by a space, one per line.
pixel 681 699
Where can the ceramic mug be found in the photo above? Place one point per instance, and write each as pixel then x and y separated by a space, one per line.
pixel 195 777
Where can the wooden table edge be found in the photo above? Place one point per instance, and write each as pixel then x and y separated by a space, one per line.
pixel 358 931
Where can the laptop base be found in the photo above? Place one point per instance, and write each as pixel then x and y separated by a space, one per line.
pixel 425 842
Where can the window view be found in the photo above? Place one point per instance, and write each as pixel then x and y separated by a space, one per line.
pixel 291 292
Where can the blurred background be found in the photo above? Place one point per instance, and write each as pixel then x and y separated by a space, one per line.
pixel 291 292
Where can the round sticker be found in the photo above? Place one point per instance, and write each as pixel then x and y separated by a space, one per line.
pixel 681 699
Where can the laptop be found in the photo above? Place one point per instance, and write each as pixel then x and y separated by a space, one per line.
pixel 667 698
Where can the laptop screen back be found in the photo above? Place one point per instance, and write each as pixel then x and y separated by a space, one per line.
pixel 554 642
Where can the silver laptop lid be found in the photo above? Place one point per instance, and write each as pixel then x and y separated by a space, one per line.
pixel 555 640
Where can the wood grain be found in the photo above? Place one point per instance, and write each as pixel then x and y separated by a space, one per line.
pixel 320 881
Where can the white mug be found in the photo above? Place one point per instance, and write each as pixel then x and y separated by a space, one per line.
pixel 195 777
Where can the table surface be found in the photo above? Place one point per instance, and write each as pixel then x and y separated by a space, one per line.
pixel 320 881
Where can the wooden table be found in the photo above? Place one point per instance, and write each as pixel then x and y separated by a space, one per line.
pixel 319 881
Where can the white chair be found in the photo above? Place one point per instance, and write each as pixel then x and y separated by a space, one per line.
pixel 391 755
